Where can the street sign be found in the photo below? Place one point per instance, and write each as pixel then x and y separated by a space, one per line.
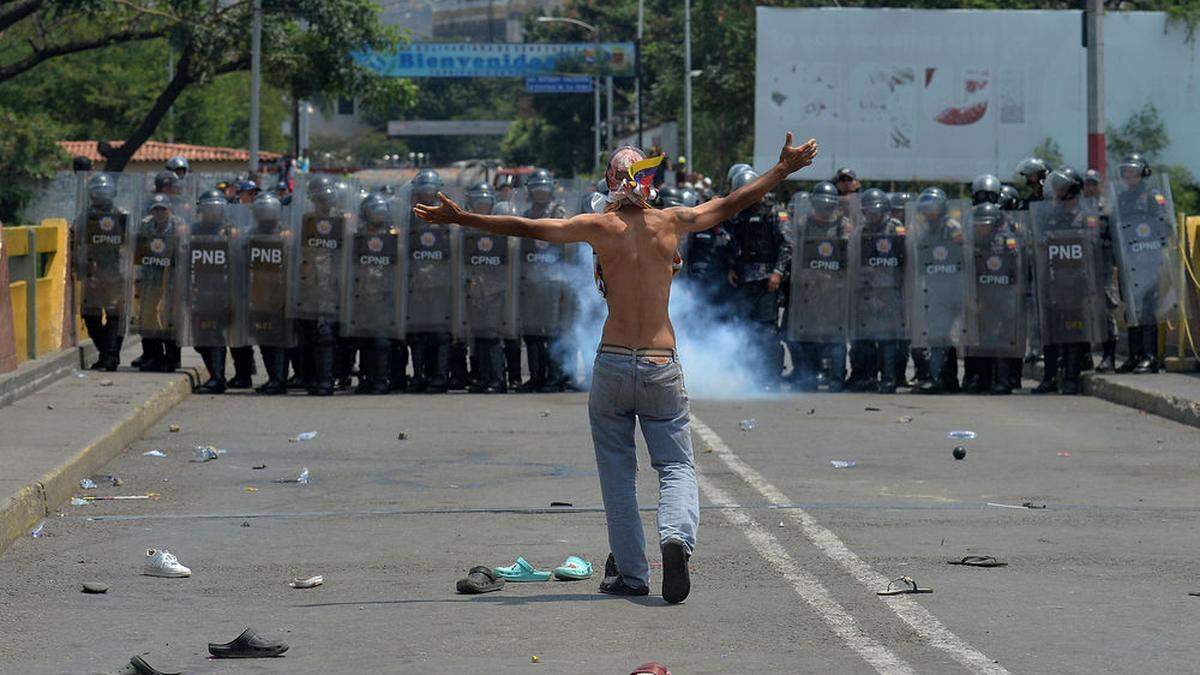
pixel 427 59
pixel 558 84
pixel 448 127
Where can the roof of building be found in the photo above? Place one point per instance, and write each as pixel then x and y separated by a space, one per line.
pixel 157 151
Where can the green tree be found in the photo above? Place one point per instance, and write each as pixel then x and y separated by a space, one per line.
pixel 1144 132
pixel 27 153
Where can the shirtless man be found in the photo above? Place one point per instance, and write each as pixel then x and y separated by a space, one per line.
pixel 637 376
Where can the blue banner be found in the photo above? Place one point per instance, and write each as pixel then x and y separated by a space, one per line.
pixel 503 59
pixel 558 84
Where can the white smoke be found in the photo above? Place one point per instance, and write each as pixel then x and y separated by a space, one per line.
pixel 714 350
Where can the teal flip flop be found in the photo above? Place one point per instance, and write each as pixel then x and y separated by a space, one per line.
pixel 573 569
pixel 522 571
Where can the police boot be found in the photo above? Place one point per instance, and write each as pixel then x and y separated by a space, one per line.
pixel 297 357
pixel 152 356
pixel 512 362
pixel 458 366
pixel 864 364
pixel 275 363
pixel 1108 361
pixel 887 368
pixel 439 364
pixel 114 341
pixel 536 355
pixel 243 366
pixel 1149 363
pixel 920 357
pixel 837 367
pixel 321 378
pixel 1002 378
pixel 148 356
pixel 1072 367
pixel 950 370
pixel 214 360
pixel 172 356
pixel 1016 368
pixel 973 375
pixel 420 363
pixel 398 366
pixel 1135 350
pixel 901 363
pixel 343 364
pixel 1049 383
pixel 935 383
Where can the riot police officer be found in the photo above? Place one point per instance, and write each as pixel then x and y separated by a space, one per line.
pixel 101 238
pixel 430 293
pixel 877 297
pixel 1093 196
pixel 178 165
pixel 488 313
pixel 210 288
pixel 996 317
pixel 269 261
pixel 1033 171
pixel 898 207
pixel 709 261
pixel 1144 238
pixel 371 314
pixel 985 189
pixel 942 236
pixel 764 256
pixel 154 310
pixel 542 289
pixel 323 231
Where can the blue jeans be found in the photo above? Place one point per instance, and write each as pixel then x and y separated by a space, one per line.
pixel 628 389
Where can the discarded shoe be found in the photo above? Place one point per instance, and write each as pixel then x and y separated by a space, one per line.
pixel 310 582
pixel 677 581
pixel 903 586
pixel 138 666
pixel 573 569
pixel 94 587
pixel 162 563
pixel 248 645
pixel 522 571
pixel 977 561
pixel 651 668
pixel 480 580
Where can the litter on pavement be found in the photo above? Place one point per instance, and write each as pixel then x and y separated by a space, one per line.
pixel 174 428
pixel 154 453
pixel 903 586
pixel 306 436
pixel 37 531
pixel 904 419
pixel 961 435
pixel 310 582
pixel 843 463
pixel 206 453
pixel 94 587
pixel 248 645
pixel 301 479
pixel 748 425
pixel 76 501
pixel 87 484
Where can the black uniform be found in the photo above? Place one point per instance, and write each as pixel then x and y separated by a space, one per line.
pixel 103 303
pixel 878 296
pixel 709 260
pixel 762 249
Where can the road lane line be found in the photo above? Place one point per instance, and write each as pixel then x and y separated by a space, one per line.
pixel 808 587
pixel 911 612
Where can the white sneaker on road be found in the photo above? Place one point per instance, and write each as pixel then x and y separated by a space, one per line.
pixel 162 563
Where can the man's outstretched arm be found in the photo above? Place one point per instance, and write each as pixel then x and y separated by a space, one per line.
pixel 712 213
pixel 555 230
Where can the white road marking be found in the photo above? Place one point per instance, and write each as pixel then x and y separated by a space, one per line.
pixel 912 613
pixel 808 587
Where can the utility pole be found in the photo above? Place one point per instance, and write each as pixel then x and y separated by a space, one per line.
pixel 255 77
pixel 608 120
pixel 687 83
pixel 637 80
pixel 1095 73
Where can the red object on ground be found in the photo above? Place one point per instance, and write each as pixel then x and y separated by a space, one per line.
pixel 652 668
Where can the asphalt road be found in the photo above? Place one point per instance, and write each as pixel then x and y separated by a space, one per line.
pixel 791 549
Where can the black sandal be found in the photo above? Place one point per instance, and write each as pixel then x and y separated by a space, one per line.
pixel 903 586
pixel 977 561
pixel 248 645
pixel 480 580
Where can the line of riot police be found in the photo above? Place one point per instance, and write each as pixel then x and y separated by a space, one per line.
pixel 874 279
pixel 342 274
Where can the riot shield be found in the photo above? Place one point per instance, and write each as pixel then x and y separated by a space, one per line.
pixel 1144 237
pixel 996 272
pixel 156 277
pixel 877 268
pixel 375 276
pixel 211 260
pixel 819 302
pixel 433 273
pixel 488 290
pixel 322 222
pixel 102 242
pixel 1069 283
pixel 540 277
pixel 936 290
pixel 267 281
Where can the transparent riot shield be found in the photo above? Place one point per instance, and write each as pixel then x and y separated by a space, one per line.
pixel 433 273
pixel 996 289
pixel 936 291
pixel 155 307
pixel 819 301
pixel 376 278
pixel 540 277
pixel 211 260
pixel 1145 243
pixel 1068 258
pixel 322 222
pixel 877 267
pixel 267 280
pixel 102 243
pixel 488 296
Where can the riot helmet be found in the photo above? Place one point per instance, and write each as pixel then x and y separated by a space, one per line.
pixel 102 191
pixel 1033 170
pixel 735 170
pixel 669 197
pixel 425 186
pixel 824 200
pixel 874 204
pixel 178 165
pixel 689 197
pixel 166 182
pixel 1010 199
pixel 211 207
pixel 845 174
pixel 504 209
pixel 742 179
pixel 160 208
pixel 932 203
pixel 540 185
pixel 320 191
pixel 988 214
pixel 267 208
pixel 985 189
pixel 376 209
pixel 1064 183
pixel 1133 168
pixel 480 198
pixel 897 202
pixel 1092 176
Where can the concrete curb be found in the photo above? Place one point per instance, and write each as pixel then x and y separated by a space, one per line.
pixel 20 512
pixel 1184 411
pixel 34 375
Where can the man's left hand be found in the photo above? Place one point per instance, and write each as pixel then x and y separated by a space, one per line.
pixel 773 281
pixel 443 214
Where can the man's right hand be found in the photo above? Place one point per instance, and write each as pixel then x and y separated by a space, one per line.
pixel 796 158
pixel 445 213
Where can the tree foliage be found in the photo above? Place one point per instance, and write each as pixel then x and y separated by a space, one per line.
pixel 27 154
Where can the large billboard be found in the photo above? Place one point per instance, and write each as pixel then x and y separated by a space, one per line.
pixel 502 59
pixel 900 94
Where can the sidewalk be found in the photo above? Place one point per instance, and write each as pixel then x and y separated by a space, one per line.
pixel 63 432
pixel 1175 396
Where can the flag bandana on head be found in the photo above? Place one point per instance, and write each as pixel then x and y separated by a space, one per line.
pixel 638 187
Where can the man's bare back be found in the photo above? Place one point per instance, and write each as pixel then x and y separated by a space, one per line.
pixel 635 246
